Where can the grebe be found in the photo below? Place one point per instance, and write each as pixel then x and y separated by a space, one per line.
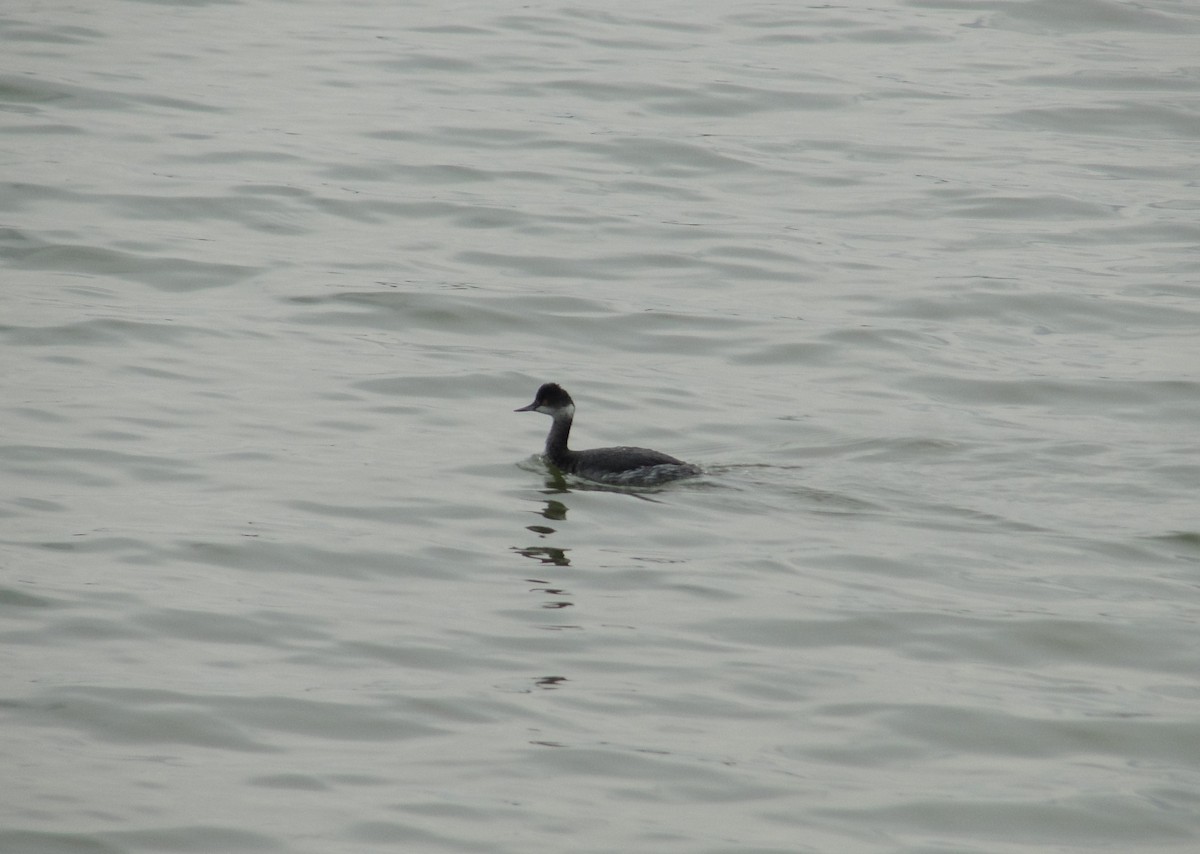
pixel 625 466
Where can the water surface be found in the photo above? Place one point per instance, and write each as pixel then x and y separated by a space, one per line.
pixel 915 283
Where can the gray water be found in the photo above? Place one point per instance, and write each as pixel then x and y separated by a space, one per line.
pixel 917 283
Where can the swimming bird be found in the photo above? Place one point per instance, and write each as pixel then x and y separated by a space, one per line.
pixel 625 466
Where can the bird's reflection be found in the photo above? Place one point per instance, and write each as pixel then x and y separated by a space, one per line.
pixel 550 591
pixel 544 554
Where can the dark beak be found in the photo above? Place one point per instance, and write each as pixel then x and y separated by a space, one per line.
pixel 528 408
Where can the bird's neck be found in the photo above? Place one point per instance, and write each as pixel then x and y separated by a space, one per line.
pixel 556 442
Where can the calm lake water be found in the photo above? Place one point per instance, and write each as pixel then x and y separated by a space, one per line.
pixel 918 284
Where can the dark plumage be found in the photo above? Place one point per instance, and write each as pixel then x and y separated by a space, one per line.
pixel 629 466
